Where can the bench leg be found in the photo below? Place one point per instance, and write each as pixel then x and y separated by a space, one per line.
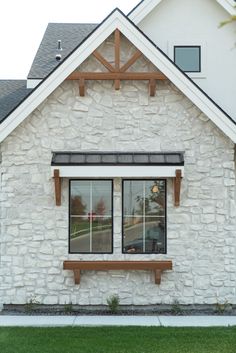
pixel 77 276
pixel 158 276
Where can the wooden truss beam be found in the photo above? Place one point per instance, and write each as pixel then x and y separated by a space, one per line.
pixel 117 50
pixel 136 76
pixel 117 57
pixel 103 61
pixel 117 73
pixel 177 187
pixel 131 61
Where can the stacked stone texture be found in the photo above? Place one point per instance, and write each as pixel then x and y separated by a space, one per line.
pixel 201 233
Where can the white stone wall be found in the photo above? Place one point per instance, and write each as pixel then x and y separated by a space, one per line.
pixel 201 233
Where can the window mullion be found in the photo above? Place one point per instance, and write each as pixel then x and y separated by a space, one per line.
pixel 91 218
pixel 144 219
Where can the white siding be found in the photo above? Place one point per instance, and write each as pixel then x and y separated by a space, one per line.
pixel 185 22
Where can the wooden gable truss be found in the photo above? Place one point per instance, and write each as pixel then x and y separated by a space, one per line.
pixel 117 73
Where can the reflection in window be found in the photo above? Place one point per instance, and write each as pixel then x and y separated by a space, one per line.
pixel 91 216
pixel 144 216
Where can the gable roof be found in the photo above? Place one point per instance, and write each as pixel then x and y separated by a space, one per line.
pixel 70 34
pixel 144 7
pixel 118 20
pixel 12 93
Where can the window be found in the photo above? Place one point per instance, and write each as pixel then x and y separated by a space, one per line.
pixel 91 220
pixel 188 58
pixel 144 216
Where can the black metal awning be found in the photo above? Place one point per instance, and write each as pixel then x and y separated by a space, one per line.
pixel 118 158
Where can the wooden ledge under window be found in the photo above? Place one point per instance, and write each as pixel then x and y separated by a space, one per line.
pixel 157 266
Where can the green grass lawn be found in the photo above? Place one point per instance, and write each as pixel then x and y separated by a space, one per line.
pixel 118 340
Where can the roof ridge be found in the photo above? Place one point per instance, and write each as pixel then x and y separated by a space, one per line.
pixel 151 50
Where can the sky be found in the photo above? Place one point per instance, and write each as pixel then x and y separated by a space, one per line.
pixel 23 22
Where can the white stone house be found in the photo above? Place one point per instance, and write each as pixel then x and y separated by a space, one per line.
pixel 118 161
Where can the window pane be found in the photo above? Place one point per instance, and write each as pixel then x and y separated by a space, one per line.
pixel 155 197
pixel 144 235
pixel 154 235
pixel 133 231
pixel 91 216
pixel 133 197
pixel 101 198
pixel 79 234
pixel 102 235
pixel 80 197
pixel 144 230
pixel 188 58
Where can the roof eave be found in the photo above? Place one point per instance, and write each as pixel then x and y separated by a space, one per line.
pixel 146 6
pixel 118 20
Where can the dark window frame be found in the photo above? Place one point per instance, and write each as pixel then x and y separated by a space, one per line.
pixel 112 216
pixel 200 57
pixel 122 216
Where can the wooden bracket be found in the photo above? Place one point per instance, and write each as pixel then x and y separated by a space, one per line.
pixel 152 87
pixel 177 186
pixel 117 85
pixel 57 182
pixel 158 274
pixel 77 276
pixel 81 87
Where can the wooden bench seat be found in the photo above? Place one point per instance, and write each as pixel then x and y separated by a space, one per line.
pixel 156 266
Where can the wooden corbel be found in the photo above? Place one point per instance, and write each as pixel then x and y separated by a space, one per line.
pixel 81 87
pixel 158 274
pixel 57 183
pixel 177 187
pixel 77 276
pixel 152 87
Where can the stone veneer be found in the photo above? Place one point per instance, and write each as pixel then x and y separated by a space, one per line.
pixel 201 233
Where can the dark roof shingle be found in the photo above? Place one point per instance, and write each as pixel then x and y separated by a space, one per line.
pixel 70 35
pixel 12 93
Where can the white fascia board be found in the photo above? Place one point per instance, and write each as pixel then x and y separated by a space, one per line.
pixel 232 3
pixel 229 6
pixel 143 10
pixel 32 83
pixel 117 20
pixel 59 75
pixel 117 171
pixel 179 80
pixel 147 6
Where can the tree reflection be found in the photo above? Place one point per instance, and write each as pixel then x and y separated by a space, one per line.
pixel 77 206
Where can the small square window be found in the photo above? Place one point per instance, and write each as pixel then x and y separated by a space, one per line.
pixel 188 58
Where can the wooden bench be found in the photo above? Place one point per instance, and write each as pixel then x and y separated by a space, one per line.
pixel 156 266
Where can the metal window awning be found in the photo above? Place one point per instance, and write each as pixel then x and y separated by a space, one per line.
pixel 117 164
